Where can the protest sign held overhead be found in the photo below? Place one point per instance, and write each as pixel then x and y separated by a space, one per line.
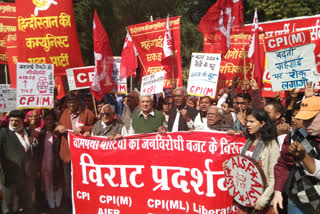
pixel 153 83
pixel 81 78
pixel 35 84
pixel 120 83
pixel 114 176
pixel 7 27
pixel 148 39
pixel 289 61
pixel 47 34
pixel 8 98
pixel 204 74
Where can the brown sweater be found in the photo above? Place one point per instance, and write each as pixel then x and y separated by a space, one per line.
pixel 86 117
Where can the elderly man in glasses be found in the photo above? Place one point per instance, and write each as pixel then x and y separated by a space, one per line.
pixel 108 125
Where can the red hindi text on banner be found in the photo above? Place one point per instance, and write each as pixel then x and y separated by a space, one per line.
pixel 173 173
pixel 7 27
pixel 148 39
pixel 47 34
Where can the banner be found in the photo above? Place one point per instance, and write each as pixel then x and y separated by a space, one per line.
pixel 81 78
pixel 153 83
pixel 47 34
pixel 148 39
pixel 289 61
pixel 177 172
pixel 236 63
pixel 8 98
pixel 12 54
pixel 35 84
pixel 204 74
pixel 7 27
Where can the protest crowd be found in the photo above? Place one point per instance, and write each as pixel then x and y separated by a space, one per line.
pixel 42 178
pixel 281 132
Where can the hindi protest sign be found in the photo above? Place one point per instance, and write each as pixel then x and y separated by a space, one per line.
pixel 151 173
pixel 81 78
pixel 7 27
pixel 289 60
pixel 148 39
pixel 8 99
pixel 232 63
pixel 121 83
pixel 153 83
pixel 203 75
pixel 47 34
pixel 35 85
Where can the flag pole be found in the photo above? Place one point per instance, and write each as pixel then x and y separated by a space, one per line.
pixel 6 73
pixel 131 83
pixel 244 55
pixel 174 53
pixel 94 105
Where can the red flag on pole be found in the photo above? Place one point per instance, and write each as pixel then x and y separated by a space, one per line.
pixel 61 91
pixel 167 41
pixel 102 82
pixel 220 19
pixel 129 62
pixel 254 52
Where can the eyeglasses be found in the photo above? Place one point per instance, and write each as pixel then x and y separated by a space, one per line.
pixel 167 103
pixel 105 114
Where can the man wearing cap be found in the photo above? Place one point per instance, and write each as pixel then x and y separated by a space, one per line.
pixel 300 162
pixel 17 167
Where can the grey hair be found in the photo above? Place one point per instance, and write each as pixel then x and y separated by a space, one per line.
pixel 219 109
pixel 110 106
pixel 182 89
pixel 147 95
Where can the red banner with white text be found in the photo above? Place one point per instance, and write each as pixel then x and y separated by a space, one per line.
pixel 236 63
pixel 177 172
pixel 7 27
pixel 47 34
pixel 148 39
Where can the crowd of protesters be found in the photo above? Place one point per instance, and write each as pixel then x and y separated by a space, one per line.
pixel 283 136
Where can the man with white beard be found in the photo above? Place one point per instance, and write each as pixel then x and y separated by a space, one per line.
pixel 17 167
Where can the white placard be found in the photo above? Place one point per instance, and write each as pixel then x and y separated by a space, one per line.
pixel 35 85
pixel 121 83
pixel 153 83
pixel 204 74
pixel 8 98
pixel 292 67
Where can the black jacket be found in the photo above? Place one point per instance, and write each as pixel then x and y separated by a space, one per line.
pixel 182 122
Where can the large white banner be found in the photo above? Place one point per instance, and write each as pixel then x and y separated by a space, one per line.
pixel 204 73
pixel 8 98
pixel 35 85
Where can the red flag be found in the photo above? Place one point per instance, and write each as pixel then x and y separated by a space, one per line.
pixel 254 52
pixel 12 54
pixel 219 20
pixel 129 62
pixel 61 91
pixel 102 82
pixel 167 41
